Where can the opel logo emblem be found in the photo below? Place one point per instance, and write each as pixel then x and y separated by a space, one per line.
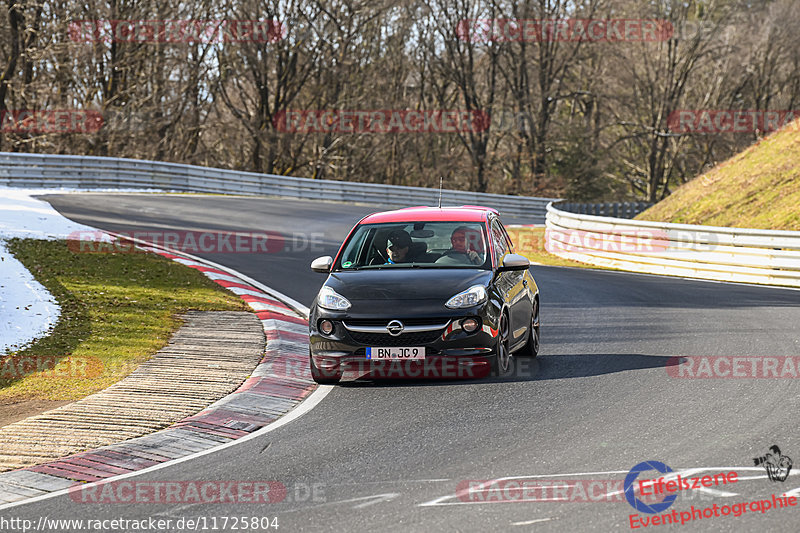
pixel 395 328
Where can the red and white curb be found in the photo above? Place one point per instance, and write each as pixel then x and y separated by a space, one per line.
pixel 279 390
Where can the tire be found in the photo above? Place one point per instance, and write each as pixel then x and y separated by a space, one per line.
pixel 531 348
pixel 324 377
pixel 501 362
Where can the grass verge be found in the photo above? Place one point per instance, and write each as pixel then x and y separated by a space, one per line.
pixel 117 309
pixel 757 188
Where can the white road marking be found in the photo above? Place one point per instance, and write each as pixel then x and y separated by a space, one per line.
pixel 186 262
pixel 715 492
pixel 261 306
pixel 371 500
pixel 793 492
pixel 391 481
pixel 439 501
pixel 529 522
pixel 446 499
pixel 240 291
pixel 217 276
pixel 376 498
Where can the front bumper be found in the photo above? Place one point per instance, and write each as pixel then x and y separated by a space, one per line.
pixel 449 351
pixel 432 367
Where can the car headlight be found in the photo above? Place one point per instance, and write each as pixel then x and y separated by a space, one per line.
pixel 332 300
pixel 471 297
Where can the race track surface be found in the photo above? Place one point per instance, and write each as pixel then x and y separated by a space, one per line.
pixel 603 396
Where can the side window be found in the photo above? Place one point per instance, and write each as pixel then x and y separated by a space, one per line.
pixel 357 251
pixel 499 241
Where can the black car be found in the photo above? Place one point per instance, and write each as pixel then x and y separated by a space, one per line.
pixel 423 292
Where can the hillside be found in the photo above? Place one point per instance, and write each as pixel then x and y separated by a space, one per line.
pixel 758 188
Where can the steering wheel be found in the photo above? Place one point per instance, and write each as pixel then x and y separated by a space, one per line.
pixel 380 253
pixel 465 254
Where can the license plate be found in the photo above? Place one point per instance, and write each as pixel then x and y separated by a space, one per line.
pixel 375 354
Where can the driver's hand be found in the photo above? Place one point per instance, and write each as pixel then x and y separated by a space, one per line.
pixel 473 256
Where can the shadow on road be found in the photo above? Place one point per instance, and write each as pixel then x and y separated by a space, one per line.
pixel 537 369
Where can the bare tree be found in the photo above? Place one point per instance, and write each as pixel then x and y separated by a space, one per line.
pixel 654 78
pixel 570 117
pixel 13 47
pixel 259 80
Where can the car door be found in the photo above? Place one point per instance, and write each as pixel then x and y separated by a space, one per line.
pixel 524 303
pixel 512 285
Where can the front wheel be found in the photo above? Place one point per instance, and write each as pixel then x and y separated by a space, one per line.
pixel 501 363
pixel 324 377
pixel 531 348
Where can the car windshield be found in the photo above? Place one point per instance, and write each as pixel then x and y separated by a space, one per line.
pixel 416 245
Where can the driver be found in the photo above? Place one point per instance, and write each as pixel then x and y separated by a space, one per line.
pixel 397 247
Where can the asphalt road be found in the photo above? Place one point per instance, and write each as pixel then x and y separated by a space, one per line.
pixel 600 398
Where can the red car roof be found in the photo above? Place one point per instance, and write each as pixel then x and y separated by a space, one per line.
pixel 467 213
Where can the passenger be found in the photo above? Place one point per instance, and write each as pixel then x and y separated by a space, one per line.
pixel 462 241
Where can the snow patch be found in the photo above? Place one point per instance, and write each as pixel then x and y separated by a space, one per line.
pixel 27 310
pixel 21 215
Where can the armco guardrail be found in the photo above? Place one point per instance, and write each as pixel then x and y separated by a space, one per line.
pixel 90 172
pixel 705 252
pixel 608 209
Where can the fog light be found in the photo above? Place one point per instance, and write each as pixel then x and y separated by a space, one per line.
pixel 470 325
pixel 326 327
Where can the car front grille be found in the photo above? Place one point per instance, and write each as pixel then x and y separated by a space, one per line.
pixel 386 340
pixel 381 322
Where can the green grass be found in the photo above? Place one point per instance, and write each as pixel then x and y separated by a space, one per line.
pixel 530 242
pixel 758 188
pixel 117 309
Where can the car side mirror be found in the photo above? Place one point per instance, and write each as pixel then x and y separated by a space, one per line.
pixel 514 262
pixel 322 264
